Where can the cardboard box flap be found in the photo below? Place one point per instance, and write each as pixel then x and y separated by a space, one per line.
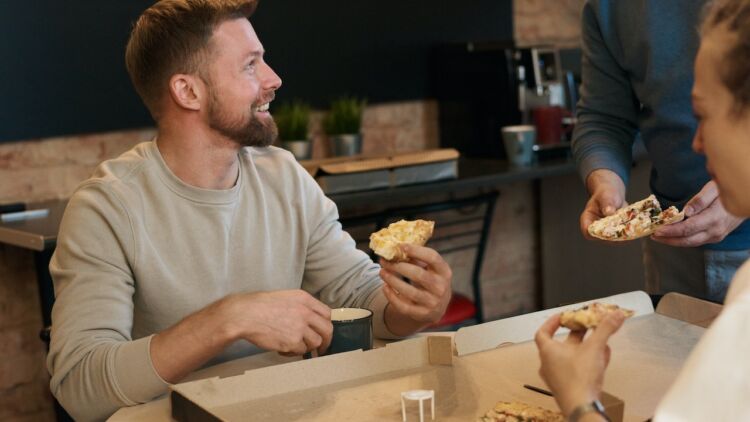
pixel 357 166
pixel 440 350
pixel 424 157
pixel 313 166
pixel 388 162
pixel 614 407
pixel 305 374
pixel 186 410
pixel 522 328
pixel 689 309
pixel 363 163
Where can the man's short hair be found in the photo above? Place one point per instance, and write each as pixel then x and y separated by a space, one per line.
pixel 173 36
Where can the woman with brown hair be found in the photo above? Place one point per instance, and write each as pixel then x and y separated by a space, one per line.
pixel 714 383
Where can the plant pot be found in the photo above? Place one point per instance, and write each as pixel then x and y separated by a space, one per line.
pixel 350 144
pixel 302 150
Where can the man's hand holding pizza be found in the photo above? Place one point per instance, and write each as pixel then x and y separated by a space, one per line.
pixel 607 196
pixel 707 221
pixel 414 306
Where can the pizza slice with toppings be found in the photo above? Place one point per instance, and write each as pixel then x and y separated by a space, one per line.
pixel 634 221
pixel 520 412
pixel 590 315
pixel 386 242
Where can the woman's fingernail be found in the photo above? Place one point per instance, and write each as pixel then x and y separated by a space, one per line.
pixel 688 210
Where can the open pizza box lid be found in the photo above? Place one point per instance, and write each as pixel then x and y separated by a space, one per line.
pixel 469 373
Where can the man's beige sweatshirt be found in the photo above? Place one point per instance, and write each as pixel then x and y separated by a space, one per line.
pixel 138 250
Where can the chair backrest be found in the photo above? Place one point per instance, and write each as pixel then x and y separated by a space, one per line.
pixel 460 224
pixel 46 301
pixel 46 291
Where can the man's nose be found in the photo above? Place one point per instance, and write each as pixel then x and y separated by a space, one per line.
pixel 271 80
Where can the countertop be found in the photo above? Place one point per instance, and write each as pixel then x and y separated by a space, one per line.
pixel 473 173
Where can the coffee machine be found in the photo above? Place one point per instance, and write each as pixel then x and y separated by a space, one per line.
pixel 540 79
pixel 483 86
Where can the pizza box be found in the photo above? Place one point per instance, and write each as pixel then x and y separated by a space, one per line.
pixel 364 172
pixel 468 372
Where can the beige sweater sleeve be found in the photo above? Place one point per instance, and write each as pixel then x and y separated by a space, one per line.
pixel 96 366
pixel 336 272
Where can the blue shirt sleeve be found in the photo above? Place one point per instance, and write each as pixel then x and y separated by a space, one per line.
pixel 608 110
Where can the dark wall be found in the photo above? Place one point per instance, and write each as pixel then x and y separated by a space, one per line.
pixel 378 49
pixel 63 69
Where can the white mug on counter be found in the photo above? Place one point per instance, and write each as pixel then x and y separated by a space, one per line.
pixel 519 144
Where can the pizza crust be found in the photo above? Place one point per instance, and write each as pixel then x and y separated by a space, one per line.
pixel 590 316
pixel 634 221
pixel 517 412
pixel 386 242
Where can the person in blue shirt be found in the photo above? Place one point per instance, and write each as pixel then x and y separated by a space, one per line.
pixel 637 75
pixel 714 381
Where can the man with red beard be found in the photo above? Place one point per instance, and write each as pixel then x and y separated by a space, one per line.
pixel 206 243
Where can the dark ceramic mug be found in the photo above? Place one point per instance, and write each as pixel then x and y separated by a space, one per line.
pixel 352 330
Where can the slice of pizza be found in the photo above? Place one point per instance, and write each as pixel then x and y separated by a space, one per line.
pixel 385 242
pixel 590 315
pixel 636 220
pixel 520 412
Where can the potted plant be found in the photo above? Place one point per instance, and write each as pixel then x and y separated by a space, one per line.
pixel 292 119
pixel 342 125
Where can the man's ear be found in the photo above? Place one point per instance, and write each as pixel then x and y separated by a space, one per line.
pixel 186 91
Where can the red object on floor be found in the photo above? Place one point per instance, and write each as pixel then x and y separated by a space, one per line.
pixel 459 309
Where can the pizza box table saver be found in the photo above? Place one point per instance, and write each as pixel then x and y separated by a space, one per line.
pixel 481 365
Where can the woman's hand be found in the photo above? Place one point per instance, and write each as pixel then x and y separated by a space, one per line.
pixel 574 368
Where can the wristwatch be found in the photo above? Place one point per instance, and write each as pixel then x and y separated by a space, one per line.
pixel 594 406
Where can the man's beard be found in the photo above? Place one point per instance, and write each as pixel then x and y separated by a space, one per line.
pixel 246 131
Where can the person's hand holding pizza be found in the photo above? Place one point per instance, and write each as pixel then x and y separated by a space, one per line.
pixel 574 368
pixel 607 196
pixel 424 298
pixel 707 221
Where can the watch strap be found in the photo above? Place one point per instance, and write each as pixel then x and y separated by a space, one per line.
pixel 594 406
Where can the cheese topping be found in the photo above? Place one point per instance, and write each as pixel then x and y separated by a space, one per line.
pixel 385 242
pixel 637 220
pixel 518 412
pixel 590 316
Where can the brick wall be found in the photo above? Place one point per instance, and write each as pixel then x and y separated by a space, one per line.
pixel 33 171
pixel 24 394
pixel 38 170
pixel 554 22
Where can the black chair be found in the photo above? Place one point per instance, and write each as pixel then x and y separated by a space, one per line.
pixel 46 300
pixel 473 210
